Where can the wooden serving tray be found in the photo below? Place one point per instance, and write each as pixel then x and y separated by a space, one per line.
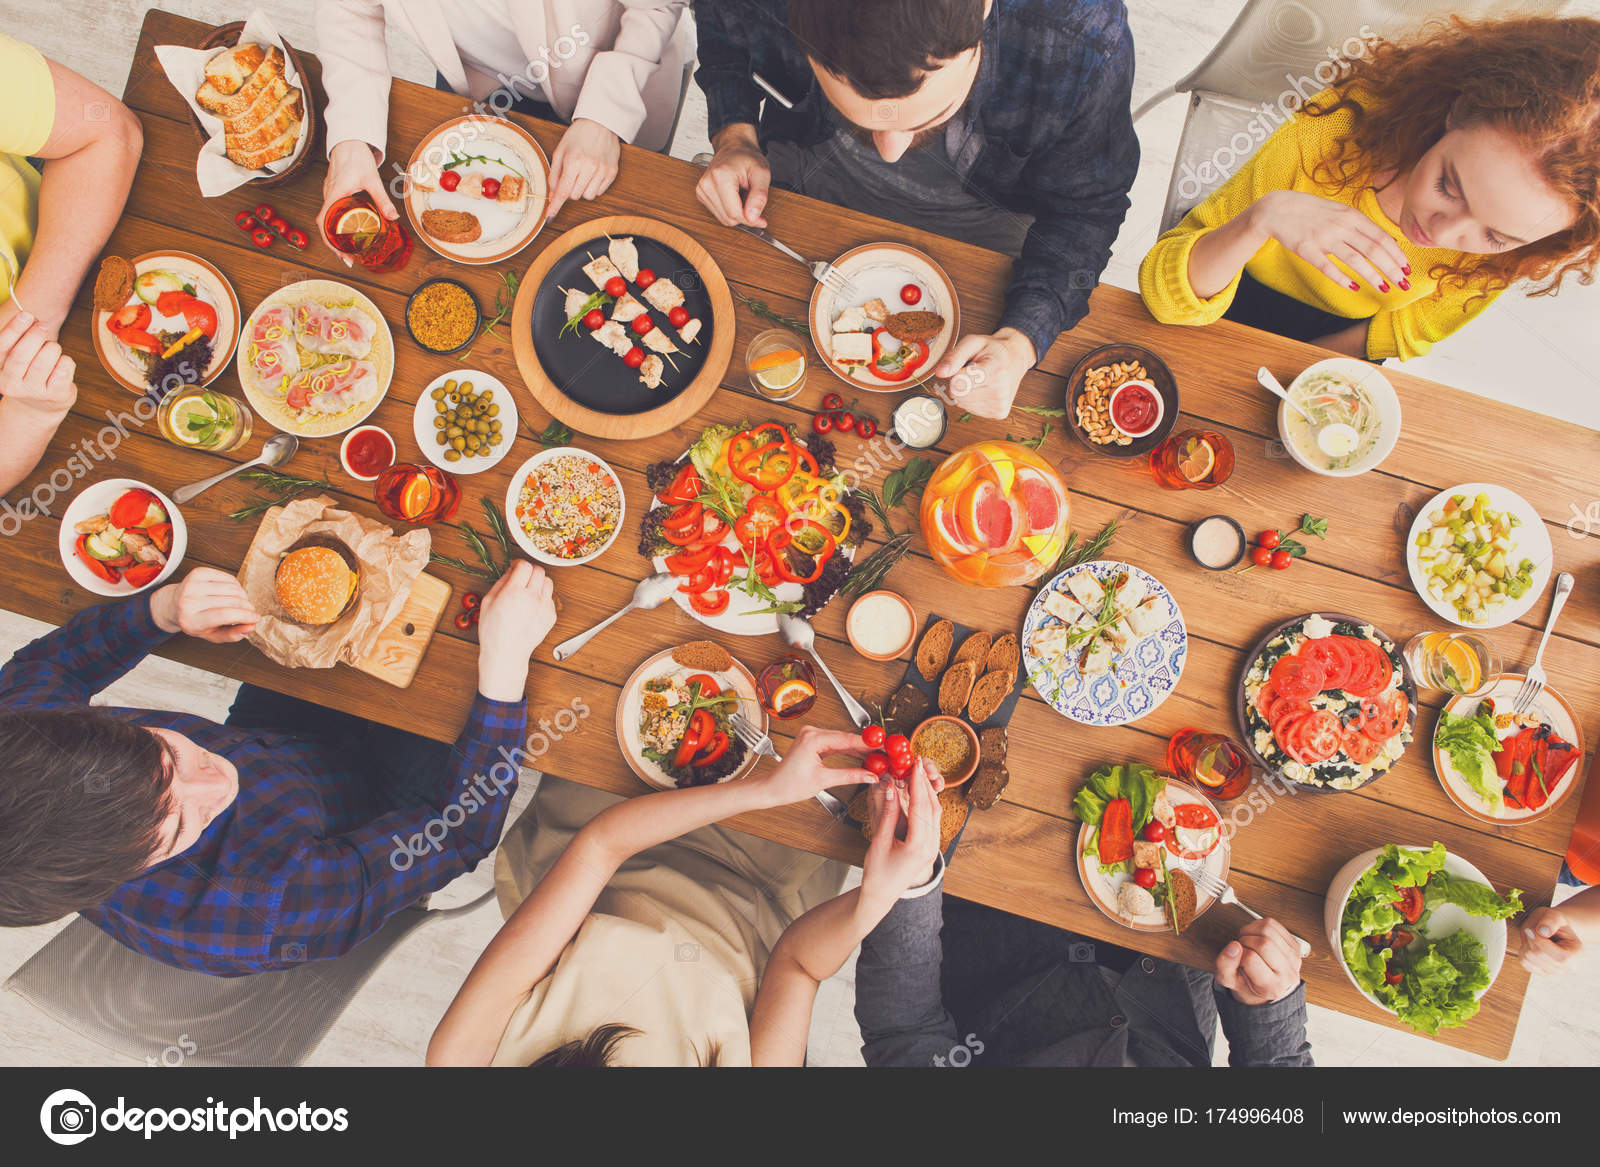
pixel 395 657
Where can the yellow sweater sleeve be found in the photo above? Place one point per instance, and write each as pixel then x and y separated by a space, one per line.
pixel 1164 274
pixel 1414 328
pixel 27 98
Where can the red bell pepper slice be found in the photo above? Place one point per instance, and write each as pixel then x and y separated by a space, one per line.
pixel 1116 831
pixel 196 313
pixel 140 574
pixel 712 750
pixel 109 574
pixel 768 467
pixel 899 368
pixel 695 734
pixel 708 684
pixel 762 516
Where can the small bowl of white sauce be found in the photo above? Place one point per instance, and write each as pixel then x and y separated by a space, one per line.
pixel 881 625
pixel 1217 542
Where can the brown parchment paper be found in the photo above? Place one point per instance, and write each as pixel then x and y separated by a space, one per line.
pixel 388 565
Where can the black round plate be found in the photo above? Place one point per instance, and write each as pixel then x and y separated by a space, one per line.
pixel 593 375
pixel 1160 376
pixel 1247 734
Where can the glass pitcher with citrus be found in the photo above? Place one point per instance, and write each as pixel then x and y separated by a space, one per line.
pixel 995 515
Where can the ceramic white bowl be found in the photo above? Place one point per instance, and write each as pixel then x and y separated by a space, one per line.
pixel 1383 396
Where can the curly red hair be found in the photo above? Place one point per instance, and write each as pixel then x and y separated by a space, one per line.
pixel 1536 78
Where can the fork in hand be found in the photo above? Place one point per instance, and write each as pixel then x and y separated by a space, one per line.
pixel 821 270
pixel 750 734
pixel 1211 885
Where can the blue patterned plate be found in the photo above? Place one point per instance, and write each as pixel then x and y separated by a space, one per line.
pixel 1140 678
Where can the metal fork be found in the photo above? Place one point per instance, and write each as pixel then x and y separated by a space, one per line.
pixel 1533 684
pixel 1213 886
pixel 750 734
pixel 821 270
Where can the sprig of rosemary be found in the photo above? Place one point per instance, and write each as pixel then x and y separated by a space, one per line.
pixel 900 484
pixel 1040 410
pixel 279 489
pixel 1073 554
pixel 1033 443
pixel 505 298
pixel 489 566
pixel 456 160
pixel 868 574
pixel 760 308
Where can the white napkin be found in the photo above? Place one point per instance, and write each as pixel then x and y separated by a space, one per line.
pixel 185 68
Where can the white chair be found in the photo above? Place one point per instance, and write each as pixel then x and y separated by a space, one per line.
pixel 1276 54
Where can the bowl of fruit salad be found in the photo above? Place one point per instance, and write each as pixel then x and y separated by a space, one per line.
pixel 120 536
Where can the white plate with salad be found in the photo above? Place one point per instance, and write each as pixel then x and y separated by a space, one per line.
pixel 673 718
pixel 1479 555
pixel 1143 839
pixel 1420 932
pixel 1505 767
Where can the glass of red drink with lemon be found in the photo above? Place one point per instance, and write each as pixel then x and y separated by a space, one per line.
pixel 995 514
pixel 354 227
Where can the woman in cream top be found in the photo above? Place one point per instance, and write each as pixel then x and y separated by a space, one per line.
pixel 706 946
pixel 610 68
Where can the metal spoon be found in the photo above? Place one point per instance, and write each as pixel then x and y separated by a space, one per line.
pixel 650 592
pixel 1336 439
pixel 798 633
pixel 279 448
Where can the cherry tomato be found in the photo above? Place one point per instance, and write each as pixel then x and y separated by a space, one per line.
pixel 643 324
pixel 594 319
pixel 1268 539
pixel 898 745
pixel 471 600
pixel 901 767
pixel 463 620
pixel 1281 559
pixel 645 278
pixel 1261 556
pixel 449 180
pixel 872 737
pixel 280 225
pixel 262 238
pixel 679 316
pixel 245 221
pixel 264 212
pixel 866 427
pixel 1155 831
pixel 844 421
pixel 877 762
pixel 473 616
pixel 910 294
pixel 616 287
pixel 298 238
pixel 1144 876
pixel 634 357
pixel 832 401
pixel 491 188
pixel 821 423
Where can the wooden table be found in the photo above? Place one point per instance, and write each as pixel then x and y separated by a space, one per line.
pixel 1019 855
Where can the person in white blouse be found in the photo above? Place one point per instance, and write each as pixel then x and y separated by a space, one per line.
pixel 612 69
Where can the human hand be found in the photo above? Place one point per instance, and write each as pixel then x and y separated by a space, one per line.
pixel 1262 966
pixel 584 165
pixel 352 167
pixel 735 186
pixel 905 835
pixel 985 371
pixel 1314 228
pixel 1549 942
pixel 803 771
pixel 517 614
pixel 34 372
pixel 208 604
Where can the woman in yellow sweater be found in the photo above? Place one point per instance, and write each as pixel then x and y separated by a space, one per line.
pixel 1401 201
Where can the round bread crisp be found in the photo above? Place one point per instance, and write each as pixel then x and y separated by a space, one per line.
pixel 114 283
pixel 315 585
pixel 988 695
pixel 974 648
pixel 934 649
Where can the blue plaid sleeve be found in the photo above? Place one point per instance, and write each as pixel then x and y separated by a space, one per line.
pixel 70 665
pixel 341 890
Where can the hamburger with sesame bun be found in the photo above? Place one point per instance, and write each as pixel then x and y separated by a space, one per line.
pixel 316 584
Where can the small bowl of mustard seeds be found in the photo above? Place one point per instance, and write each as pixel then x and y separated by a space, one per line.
pixel 442 316
pixel 950 744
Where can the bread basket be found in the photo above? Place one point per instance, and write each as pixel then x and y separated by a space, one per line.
pixel 225 36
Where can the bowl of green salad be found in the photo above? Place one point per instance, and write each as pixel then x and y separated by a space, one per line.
pixel 1420 932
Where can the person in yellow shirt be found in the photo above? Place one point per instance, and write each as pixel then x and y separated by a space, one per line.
pixel 1401 201
pixel 52 225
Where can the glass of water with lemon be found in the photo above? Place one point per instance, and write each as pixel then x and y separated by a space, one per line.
pixel 204 420
pixel 1456 662
pixel 776 361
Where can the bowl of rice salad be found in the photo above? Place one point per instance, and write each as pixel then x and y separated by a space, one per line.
pixel 565 506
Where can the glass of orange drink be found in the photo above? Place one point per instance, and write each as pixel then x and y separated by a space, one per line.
pixel 995 514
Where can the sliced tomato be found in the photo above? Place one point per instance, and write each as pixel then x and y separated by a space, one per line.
pixel 708 684
pixel 135 508
pixel 1280 707
pixel 161 535
pixel 1379 672
pixel 699 582
pixel 1410 903
pixel 1297 676
pixel 1390 716
pixel 712 603
pixel 1314 738
pixel 1358 747
pixel 1335 662
pixel 1193 816
pixel 109 574
pixel 684 488
pixel 141 573
pixel 766 569
pixel 687 562
pixel 684 517
pixel 712 750
pixel 712 527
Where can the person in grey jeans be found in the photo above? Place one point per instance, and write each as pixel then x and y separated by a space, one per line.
pixel 999 990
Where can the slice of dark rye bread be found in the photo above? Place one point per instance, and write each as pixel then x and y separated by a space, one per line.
pixel 908 708
pixel 986 786
pixel 1005 655
pixel 934 649
pixel 992 745
pixel 703 654
pixel 1181 900
pixel 956 686
pixel 988 694
pixel 974 648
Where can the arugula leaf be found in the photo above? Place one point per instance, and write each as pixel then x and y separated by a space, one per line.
pixel 598 300
pixel 554 434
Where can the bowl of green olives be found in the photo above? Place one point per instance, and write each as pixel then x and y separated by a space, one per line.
pixel 465 421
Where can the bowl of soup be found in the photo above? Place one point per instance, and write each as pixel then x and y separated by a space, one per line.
pixel 1357 416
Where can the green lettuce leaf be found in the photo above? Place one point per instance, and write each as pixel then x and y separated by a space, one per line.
pixel 1471 742
pixel 1474 898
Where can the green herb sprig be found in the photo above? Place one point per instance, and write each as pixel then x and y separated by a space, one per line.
pixel 279 489
pixel 899 485
pixel 1033 443
pixel 554 434
pixel 456 160
pixel 760 308
pixel 598 300
pixel 869 574
pixel 505 298
pixel 1073 553
pixel 489 566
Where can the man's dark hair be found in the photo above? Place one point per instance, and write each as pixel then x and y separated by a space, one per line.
pixel 883 48
pixel 83 795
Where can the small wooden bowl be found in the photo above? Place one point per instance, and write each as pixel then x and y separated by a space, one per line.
pixel 972 740
pixel 850 634
pixel 227 35
pixel 1158 375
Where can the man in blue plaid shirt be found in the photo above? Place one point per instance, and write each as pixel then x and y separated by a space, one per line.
pixel 289 834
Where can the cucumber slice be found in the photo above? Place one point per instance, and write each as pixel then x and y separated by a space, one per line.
pixel 101 547
pixel 151 284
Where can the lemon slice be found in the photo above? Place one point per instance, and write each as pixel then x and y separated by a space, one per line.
pixel 1198 460
pixel 191 409
pixel 780 377
pixel 358 221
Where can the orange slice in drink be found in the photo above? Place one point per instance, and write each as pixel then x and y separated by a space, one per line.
pixel 791 692
pixel 416 497
pixel 772 360
pixel 1196 460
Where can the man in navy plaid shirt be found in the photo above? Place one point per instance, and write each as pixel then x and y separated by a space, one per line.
pixel 288 834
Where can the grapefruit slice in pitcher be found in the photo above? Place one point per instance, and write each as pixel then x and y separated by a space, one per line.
pixel 1040 503
pixel 988 517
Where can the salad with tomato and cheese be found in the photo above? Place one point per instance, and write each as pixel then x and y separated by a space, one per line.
pixel 755 521
pixel 1326 703
pixel 684 728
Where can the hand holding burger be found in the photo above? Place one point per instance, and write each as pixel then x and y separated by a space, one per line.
pixel 208 604
pixel 518 613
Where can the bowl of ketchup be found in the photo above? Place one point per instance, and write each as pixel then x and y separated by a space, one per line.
pixel 1136 408
pixel 1144 409
pixel 366 452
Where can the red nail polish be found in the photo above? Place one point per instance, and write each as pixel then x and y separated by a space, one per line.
pixel 1383 287
pixel 1354 287
pixel 1406 269
pixel 1405 285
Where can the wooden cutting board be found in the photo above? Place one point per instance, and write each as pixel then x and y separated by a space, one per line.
pixel 398 651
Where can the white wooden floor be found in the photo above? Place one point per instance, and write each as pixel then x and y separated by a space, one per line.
pixel 1541 353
